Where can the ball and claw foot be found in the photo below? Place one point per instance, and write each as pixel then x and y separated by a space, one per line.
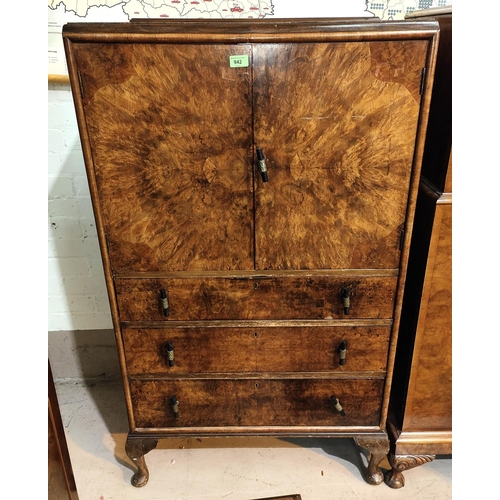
pixel 136 448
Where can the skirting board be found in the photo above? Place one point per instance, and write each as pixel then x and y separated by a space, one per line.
pixel 83 354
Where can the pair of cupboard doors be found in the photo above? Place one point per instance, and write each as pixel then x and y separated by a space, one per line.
pixel 173 128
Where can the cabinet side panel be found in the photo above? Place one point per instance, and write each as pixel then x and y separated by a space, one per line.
pixel 430 387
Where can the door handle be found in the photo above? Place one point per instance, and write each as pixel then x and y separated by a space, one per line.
pixel 262 165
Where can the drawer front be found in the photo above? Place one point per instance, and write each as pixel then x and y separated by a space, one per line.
pixel 256 402
pixel 255 298
pixel 263 349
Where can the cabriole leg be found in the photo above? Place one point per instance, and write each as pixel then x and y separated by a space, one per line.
pixel 378 447
pixel 136 448
pixel 400 463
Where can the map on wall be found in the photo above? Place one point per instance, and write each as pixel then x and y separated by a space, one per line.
pixel 67 11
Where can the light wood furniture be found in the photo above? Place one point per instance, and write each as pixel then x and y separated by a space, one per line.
pixel 254 186
pixel 420 417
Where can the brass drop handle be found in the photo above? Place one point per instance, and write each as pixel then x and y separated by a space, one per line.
pixel 175 406
pixel 168 352
pixel 337 405
pixel 262 165
pixel 346 300
pixel 342 352
pixel 164 303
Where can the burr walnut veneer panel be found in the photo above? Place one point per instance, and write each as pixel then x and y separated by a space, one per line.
pixel 170 154
pixel 289 348
pixel 255 297
pixel 256 402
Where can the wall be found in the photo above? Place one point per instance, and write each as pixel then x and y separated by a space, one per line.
pixel 81 343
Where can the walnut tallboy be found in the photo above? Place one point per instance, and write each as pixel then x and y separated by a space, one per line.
pixel 254 186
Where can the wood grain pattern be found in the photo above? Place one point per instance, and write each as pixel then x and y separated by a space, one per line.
pixel 169 128
pixel 420 422
pixel 263 349
pixel 261 30
pixel 254 272
pixel 256 402
pixel 259 298
pixel 430 387
pixel 337 123
pixel 331 166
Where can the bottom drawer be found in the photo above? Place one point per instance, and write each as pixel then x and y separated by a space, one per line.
pixel 256 402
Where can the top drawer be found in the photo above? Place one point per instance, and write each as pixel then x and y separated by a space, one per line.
pixel 251 297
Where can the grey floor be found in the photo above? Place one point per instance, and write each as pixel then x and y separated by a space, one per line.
pixel 96 426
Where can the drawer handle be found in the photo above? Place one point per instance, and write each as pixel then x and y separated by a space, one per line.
pixel 346 300
pixel 164 303
pixel 337 405
pixel 168 352
pixel 342 352
pixel 175 406
pixel 262 165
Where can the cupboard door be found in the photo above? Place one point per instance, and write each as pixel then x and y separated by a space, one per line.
pixel 337 124
pixel 169 127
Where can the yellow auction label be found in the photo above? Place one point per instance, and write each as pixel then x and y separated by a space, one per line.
pixel 238 61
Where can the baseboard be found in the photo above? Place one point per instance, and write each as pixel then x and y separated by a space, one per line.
pixel 83 354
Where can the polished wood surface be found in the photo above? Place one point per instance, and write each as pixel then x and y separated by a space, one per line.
pixel 189 177
pixel 264 280
pixel 257 31
pixel 257 402
pixel 258 349
pixel 318 297
pixel 420 411
pixel 337 124
pixel 430 392
pixel 171 154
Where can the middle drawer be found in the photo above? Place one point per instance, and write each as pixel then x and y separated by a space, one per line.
pixel 256 297
pixel 212 349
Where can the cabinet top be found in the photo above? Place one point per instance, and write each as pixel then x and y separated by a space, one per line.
pixel 256 30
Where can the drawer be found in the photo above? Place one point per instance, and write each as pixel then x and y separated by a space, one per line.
pixel 214 349
pixel 255 298
pixel 256 402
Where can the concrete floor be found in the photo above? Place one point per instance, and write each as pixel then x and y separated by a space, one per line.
pixel 225 468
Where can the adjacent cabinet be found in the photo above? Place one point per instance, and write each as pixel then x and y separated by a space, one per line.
pixel 420 410
pixel 254 187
